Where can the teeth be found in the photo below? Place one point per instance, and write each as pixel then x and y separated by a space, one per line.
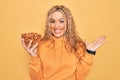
pixel 57 31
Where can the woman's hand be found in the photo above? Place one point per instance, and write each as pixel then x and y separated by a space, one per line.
pixel 31 50
pixel 96 43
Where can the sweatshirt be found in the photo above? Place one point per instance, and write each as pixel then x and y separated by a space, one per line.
pixel 54 62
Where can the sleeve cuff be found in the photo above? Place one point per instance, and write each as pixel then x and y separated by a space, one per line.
pixel 91 52
pixel 34 60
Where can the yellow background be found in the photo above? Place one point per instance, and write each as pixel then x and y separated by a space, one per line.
pixel 93 18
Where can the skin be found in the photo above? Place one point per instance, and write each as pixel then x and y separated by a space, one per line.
pixel 58 29
pixel 58 24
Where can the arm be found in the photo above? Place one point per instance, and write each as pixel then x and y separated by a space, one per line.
pixel 35 68
pixel 85 62
pixel 83 66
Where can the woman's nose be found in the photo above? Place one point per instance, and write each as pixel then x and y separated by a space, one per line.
pixel 56 25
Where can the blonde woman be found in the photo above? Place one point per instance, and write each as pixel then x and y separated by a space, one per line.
pixel 61 54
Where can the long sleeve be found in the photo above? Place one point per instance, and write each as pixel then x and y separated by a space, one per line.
pixel 84 66
pixel 35 69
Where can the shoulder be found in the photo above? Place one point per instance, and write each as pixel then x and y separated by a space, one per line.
pixel 45 44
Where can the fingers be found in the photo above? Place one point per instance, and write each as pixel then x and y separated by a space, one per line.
pixel 96 43
pixel 34 47
pixel 31 50
pixel 101 40
pixel 23 43
pixel 29 45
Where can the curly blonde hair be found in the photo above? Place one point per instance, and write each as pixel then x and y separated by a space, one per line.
pixel 71 35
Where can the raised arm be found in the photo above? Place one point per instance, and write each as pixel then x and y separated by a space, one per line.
pixel 35 67
pixel 85 62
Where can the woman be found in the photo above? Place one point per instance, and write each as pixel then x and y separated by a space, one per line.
pixel 61 54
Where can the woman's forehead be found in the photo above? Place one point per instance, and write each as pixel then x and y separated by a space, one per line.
pixel 57 15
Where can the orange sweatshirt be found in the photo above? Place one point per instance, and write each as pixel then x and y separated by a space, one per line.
pixel 56 63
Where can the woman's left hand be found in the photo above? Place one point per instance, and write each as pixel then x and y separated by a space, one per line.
pixel 96 43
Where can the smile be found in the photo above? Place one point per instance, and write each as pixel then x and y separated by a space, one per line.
pixel 57 31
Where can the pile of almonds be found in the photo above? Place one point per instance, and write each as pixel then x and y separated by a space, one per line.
pixel 35 37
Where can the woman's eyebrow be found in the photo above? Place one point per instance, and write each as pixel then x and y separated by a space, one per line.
pixel 51 19
pixel 61 19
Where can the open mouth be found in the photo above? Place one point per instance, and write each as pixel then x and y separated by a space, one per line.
pixel 57 31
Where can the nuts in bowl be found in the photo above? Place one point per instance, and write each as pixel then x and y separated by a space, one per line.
pixel 35 37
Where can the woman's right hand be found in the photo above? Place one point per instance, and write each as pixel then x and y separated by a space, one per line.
pixel 31 50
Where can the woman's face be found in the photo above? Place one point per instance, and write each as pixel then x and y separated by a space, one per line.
pixel 58 24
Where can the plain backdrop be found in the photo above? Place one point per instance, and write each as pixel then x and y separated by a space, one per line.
pixel 93 18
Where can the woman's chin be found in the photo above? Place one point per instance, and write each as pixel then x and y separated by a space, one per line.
pixel 58 35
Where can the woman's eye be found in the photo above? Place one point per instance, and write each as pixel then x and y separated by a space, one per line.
pixel 52 21
pixel 61 21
